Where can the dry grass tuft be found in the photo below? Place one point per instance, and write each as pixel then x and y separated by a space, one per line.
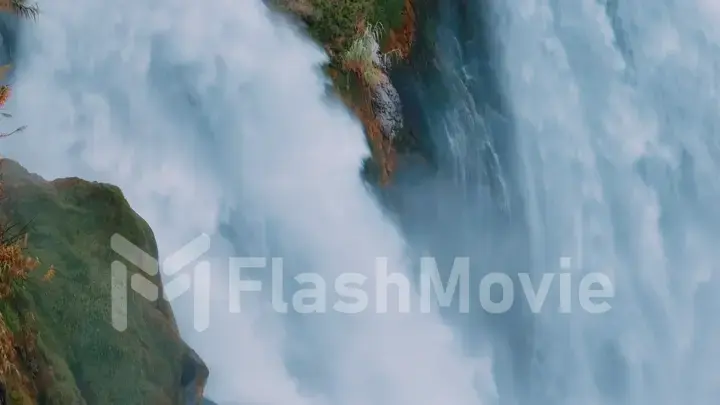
pixel 8 355
pixel 363 56
pixel 19 364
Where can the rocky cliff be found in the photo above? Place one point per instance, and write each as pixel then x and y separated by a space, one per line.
pixel 365 40
pixel 57 343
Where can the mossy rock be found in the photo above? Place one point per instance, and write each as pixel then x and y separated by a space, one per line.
pixel 71 222
pixel 334 23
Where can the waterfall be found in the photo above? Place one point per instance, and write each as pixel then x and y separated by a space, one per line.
pixel 211 116
pixel 569 138
pixel 608 154
pixel 615 114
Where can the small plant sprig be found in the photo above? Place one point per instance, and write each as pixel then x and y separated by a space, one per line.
pixel 5 92
pixel 8 355
pixel 50 274
pixel 15 267
pixel 15 264
pixel 363 55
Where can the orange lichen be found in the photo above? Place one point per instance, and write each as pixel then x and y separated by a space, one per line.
pixel 50 274
pixel 4 94
pixel 14 266
pixel 20 364
pixel 8 355
pixel 401 39
pixel 398 41
pixel 382 150
pixel 381 146
pixel 21 367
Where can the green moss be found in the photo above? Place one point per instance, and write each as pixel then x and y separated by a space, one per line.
pixel 10 316
pixel 72 224
pixel 334 23
pixel 18 397
pixel 348 85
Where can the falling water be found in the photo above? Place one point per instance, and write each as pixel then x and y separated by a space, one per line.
pixel 616 120
pixel 201 110
pixel 612 155
pixel 582 130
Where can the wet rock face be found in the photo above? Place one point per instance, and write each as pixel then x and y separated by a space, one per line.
pixel 85 359
pixel 387 108
pixel 194 375
pixel 386 102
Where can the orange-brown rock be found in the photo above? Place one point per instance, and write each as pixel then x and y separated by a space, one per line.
pixel 401 39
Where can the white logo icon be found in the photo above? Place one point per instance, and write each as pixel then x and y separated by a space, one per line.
pixel 170 266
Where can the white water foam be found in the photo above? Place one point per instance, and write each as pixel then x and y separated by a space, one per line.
pixel 191 107
pixel 617 127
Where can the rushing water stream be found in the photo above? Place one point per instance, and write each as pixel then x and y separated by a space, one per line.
pixel 608 147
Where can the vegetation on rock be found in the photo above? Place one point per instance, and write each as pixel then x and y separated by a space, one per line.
pixel 57 344
pixel 56 328
pixel 336 23
pixel 355 33
pixel 363 54
pixel 4 95
pixel 21 366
